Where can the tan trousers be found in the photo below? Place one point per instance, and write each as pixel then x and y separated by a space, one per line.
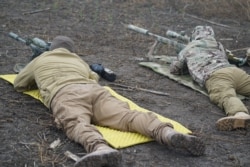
pixel 223 85
pixel 75 107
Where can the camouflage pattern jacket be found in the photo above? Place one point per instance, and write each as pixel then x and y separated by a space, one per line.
pixel 200 58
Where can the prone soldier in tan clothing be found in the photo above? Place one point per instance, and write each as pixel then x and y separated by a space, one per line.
pixel 205 60
pixel 70 89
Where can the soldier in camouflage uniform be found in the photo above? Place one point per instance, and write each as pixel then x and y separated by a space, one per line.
pixel 205 60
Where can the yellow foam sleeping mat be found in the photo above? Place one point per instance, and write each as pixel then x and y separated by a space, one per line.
pixel 115 138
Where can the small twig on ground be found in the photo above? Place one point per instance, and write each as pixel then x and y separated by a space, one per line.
pixel 216 113
pixel 123 89
pixel 26 144
pixel 218 24
pixel 226 39
pixel 240 49
pixel 225 139
pixel 152 50
pixel 36 11
pixel 55 143
pixel 71 156
pixel 141 89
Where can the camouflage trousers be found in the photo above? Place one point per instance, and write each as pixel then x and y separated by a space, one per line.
pixel 224 85
pixel 77 107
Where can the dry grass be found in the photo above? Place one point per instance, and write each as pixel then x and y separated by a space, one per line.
pixel 227 9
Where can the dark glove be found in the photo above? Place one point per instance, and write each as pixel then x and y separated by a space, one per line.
pixel 105 73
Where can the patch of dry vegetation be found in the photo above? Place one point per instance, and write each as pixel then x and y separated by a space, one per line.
pixel 228 9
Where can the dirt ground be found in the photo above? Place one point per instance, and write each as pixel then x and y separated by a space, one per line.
pixel 27 126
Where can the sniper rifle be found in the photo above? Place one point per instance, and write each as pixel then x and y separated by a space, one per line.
pixel 39 46
pixel 177 45
pixel 182 41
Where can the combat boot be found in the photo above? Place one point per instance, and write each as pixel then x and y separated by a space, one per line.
pixel 190 143
pixel 239 120
pixel 103 156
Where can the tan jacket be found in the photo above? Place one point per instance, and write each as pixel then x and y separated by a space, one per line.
pixel 53 70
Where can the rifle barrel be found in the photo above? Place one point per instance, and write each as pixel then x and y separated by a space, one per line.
pixel 16 37
pixel 138 29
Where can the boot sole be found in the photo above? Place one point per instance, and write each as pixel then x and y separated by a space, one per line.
pixel 192 144
pixel 106 159
pixel 229 124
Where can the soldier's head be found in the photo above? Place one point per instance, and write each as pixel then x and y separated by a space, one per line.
pixel 200 32
pixel 62 42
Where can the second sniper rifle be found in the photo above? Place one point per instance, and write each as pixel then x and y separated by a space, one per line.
pixel 177 45
pixel 184 41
